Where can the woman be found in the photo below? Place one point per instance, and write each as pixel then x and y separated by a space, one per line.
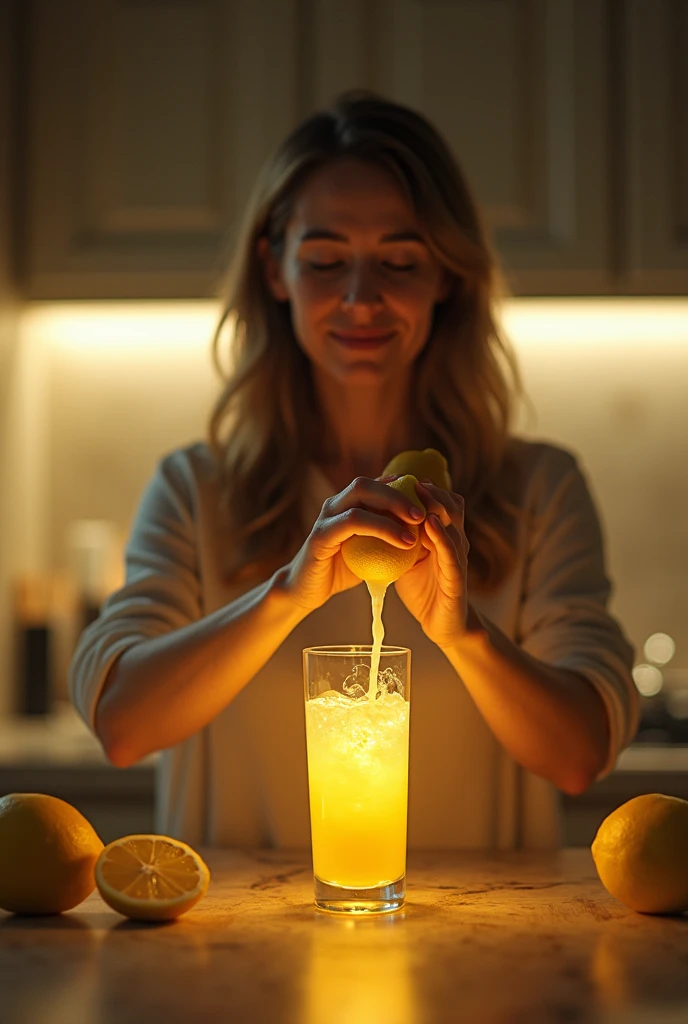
pixel 363 290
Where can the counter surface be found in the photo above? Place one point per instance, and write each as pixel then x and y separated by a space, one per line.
pixel 515 938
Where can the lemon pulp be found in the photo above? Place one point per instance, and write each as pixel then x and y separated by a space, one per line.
pixel 151 877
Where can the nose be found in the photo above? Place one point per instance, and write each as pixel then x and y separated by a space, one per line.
pixel 361 292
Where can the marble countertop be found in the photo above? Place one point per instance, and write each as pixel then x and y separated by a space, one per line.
pixel 488 939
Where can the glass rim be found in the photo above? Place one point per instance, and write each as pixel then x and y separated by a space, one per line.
pixel 337 650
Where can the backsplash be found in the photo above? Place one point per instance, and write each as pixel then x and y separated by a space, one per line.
pixel 101 391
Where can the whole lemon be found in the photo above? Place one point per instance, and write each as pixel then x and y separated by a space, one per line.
pixel 48 851
pixel 641 853
pixel 376 561
pixel 372 559
pixel 426 463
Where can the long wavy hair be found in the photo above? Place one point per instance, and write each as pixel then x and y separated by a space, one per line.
pixel 267 426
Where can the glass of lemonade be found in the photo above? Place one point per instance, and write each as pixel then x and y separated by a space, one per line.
pixel 358 775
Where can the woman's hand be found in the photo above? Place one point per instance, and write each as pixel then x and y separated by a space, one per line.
pixel 367 508
pixel 434 589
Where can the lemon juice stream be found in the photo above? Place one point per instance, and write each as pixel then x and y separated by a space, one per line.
pixel 377 600
pixel 358 776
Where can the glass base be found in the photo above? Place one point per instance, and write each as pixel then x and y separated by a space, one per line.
pixel 379 899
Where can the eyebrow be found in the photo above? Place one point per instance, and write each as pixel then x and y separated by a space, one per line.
pixel 322 234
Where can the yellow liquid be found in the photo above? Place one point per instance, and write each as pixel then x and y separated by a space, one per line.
pixel 358 783
pixel 377 598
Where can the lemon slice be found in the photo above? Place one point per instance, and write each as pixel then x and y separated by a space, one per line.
pixel 151 878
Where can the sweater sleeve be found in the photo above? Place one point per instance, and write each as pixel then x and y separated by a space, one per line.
pixel 161 591
pixel 564 618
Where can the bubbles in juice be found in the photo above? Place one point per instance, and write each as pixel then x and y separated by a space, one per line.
pixel 358 784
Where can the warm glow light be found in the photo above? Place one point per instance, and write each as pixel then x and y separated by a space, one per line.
pixel 625 321
pixel 648 679
pixel 597 322
pixel 123 326
pixel 659 648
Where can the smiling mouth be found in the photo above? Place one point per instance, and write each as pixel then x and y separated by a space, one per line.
pixel 367 340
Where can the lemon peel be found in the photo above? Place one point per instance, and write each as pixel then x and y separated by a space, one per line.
pixel 641 853
pixel 376 561
pixel 48 851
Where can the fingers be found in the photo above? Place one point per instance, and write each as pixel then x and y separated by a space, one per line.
pixel 451 561
pixel 448 506
pixel 330 532
pixel 373 494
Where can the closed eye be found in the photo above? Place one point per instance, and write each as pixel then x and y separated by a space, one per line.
pixel 403 267
pixel 326 266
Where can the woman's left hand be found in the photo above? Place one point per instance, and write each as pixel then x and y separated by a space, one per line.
pixel 435 589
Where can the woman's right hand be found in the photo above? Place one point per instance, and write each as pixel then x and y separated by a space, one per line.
pixel 366 508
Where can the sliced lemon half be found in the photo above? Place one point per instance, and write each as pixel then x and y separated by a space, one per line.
pixel 151 878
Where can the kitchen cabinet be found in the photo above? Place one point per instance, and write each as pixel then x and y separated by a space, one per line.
pixel 117 801
pixel 147 122
pixel 9 342
pixel 57 754
pixel 640 769
pixel 655 250
pixel 518 90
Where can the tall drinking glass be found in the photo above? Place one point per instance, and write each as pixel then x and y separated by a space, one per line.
pixel 358 776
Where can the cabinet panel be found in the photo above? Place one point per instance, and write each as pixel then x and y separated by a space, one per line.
pixel 656 59
pixel 10 312
pixel 143 181
pixel 518 87
pixel 148 121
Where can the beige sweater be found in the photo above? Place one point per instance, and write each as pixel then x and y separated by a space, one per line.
pixel 242 780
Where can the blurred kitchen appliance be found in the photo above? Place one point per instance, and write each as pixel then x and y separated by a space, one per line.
pixel 94 548
pixel 33 600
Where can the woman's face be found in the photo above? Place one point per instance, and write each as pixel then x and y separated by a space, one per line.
pixel 360 280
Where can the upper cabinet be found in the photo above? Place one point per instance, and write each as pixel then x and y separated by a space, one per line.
pixel 146 123
pixel 518 89
pixel 654 243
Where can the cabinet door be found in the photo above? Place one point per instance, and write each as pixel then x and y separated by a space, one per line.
pixel 10 313
pixel 519 89
pixel 147 122
pixel 656 63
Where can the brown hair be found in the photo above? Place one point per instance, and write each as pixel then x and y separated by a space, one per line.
pixel 266 425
